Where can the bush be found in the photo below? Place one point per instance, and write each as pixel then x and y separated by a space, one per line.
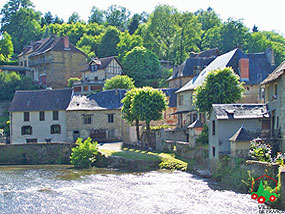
pixel 84 154
pixel 71 80
pixel 260 151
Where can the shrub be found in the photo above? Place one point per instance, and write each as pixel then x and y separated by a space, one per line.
pixel 84 154
pixel 71 80
pixel 203 137
pixel 260 151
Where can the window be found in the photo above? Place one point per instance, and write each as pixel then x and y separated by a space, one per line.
pixel 26 130
pixel 110 118
pixel 213 151
pixel 93 68
pixel 213 128
pixel 275 92
pixel 87 119
pixel 55 129
pixel 42 115
pixel 180 100
pixel 55 115
pixel 33 140
pixel 26 116
pixel 48 140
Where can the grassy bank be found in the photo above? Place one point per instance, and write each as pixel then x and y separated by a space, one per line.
pixel 164 160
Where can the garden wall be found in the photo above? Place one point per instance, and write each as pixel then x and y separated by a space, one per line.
pixel 35 153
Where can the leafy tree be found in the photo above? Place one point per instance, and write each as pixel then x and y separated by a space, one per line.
pixel 255 29
pixel 84 154
pixel 88 44
pixel 148 104
pixel 58 20
pixel 256 42
pixel 108 42
pixel 47 19
pixel 24 27
pixel 127 43
pixel 208 18
pixel 203 137
pixel 117 16
pixel 11 8
pixel 211 38
pixel 127 114
pixel 6 47
pixel 135 21
pixel 220 86
pixel 142 65
pixel 10 82
pixel 119 82
pixel 96 15
pixel 74 18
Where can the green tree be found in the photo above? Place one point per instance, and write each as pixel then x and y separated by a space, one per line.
pixel 117 16
pixel 142 65
pixel 24 27
pixel 256 43
pixel 127 114
pixel 127 43
pixel 74 18
pixel 84 154
pixel 47 19
pixel 208 18
pixel 71 80
pixel 220 86
pixel 135 21
pixel 148 104
pixel 108 42
pixel 119 82
pixel 96 15
pixel 6 47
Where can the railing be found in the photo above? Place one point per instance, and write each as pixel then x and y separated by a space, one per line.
pixel 33 62
pixel 88 82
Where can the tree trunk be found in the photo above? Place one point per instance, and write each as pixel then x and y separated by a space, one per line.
pixel 147 133
pixel 138 129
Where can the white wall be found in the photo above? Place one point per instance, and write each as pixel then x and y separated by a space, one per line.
pixel 40 129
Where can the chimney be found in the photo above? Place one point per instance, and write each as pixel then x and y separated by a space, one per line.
pixel 270 56
pixel 244 69
pixel 66 43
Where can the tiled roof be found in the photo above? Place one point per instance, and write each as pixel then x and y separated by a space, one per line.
pixel 240 111
pixel 195 60
pixel 241 135
pixel 275 74
pixel 41 100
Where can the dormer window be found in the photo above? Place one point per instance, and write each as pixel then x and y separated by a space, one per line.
pixel 93 68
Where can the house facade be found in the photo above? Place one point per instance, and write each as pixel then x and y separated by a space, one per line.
pixel 53 61
pixel 95 73
pixel 98 116
pixel 251 68
pixel 226 119
pixel 39 116
pixel 191 67
pixel 274 87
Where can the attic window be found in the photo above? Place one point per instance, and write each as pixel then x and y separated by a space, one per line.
pixel 93 68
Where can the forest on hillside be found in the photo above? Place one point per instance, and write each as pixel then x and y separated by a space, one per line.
pixel 170 34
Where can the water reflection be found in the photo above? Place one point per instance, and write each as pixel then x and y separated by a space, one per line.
pixel 60 189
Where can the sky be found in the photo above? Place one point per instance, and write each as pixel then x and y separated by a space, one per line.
pixel 266 15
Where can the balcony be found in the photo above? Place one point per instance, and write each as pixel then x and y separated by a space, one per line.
pixel 40 61
pixel 88 82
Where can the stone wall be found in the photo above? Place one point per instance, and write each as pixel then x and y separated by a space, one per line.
pixel 36 153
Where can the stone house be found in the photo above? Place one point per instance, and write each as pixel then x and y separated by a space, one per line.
pixel 98 116
pixel 95 73
pixel 39 116
pixel 191 67
pixel 53 61
pixel 226 119
pixel 252 68
pixel 274 87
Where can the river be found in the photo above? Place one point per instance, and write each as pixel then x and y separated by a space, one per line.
pixel 58 189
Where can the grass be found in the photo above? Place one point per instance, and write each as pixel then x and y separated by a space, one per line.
pixel 166 160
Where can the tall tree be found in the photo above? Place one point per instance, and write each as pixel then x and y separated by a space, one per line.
pixel 24 27
pixel 148 104
pixel 74 18
pixel 97 16
pixel 47 19
pixel 220 86
pixel 142 65
pixel 6 47
pixel 208 18
pixel 108 43
pixel 117 16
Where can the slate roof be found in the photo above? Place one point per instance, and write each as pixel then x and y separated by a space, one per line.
pixel 240 111
pixel 110 99
pixel 102 62
pixel 83 103
pixel 196 124
pixel 170 92
pixel 41 100
pixel 259 68
pixel 201 59
pixel 241 135
pixel 275 74
pixel 51 43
